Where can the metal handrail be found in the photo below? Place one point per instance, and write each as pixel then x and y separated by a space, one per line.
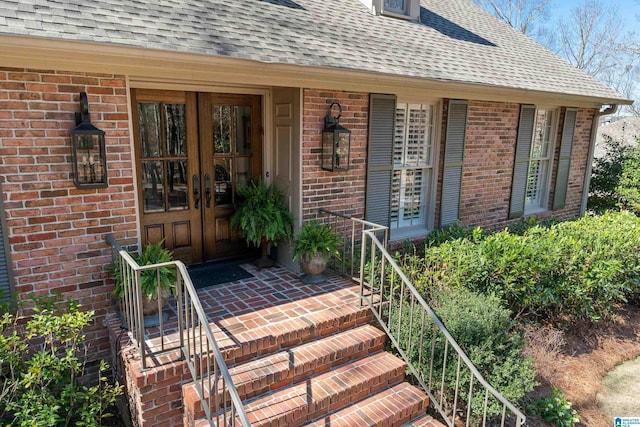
pixel 222 402
pixel 387 291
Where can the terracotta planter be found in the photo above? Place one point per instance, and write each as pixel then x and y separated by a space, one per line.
pixel 313 264
pixel 150 305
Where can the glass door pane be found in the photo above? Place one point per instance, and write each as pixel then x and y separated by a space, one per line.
pixel 163 142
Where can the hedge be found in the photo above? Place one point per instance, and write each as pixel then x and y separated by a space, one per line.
pixel 572 270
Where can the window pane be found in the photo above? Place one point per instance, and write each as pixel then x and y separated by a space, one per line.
pixel 149 125
pixel 542 135
pixel 398 142
pixel 153 186
pixel 243 129
pixel 178 190
pixel 221 129
pixel 223 188
pixel 418 138
pixel 175 128
pixel 536 182
pixel 243 171
pixel 408 200
pixel 395 5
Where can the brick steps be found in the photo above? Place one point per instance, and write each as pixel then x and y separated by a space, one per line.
pixel 389 408
pixel 314 361
pixel 287 367
pixel 320 395
pixel 283 329
pixel 424 421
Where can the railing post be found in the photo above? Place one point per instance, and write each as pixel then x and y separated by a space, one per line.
pixel 140 319
pixel 363 254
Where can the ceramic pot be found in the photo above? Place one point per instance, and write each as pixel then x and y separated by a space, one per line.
pixel 313 264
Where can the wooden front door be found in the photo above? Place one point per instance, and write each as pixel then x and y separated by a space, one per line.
pixel 192 151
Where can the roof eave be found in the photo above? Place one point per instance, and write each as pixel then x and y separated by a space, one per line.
pixel 153 65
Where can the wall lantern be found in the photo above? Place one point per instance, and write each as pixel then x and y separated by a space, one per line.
pixel 336 142
pixel 88 151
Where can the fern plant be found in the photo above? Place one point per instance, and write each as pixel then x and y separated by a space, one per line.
pixel 153 253
pixel 262 217
pixel 316 238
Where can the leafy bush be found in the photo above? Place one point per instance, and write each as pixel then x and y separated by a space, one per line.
pixel 485 331
pixel 615 180
pixel 629 185
pixel 578 269
pixel 43 368
pixel 554 408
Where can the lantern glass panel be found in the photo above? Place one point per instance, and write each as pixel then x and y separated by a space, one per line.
pixel 327 149
pixel 342 150
pixel 88 157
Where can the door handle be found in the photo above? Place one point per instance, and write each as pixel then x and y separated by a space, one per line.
pixel 207 189
pixel 196 190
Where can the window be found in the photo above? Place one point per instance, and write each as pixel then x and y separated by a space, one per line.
pixel 532 169
pixel 537 188
pixel 396 6
pixel 400 165
pixel 412 166
pixel 404 9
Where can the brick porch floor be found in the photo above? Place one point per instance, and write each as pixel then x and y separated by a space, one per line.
pixel 315 332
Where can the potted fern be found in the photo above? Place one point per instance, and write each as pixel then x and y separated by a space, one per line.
pixel 262 218
pixel 163 279
pixel 316 243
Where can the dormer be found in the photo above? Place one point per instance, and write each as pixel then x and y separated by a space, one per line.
pixel 404 9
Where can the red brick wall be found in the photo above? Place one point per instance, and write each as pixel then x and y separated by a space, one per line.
pixel 56 232
pixel 342 192
pixel 488 164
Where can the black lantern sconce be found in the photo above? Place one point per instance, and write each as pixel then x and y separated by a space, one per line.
pixel 336 142
pixel 88 150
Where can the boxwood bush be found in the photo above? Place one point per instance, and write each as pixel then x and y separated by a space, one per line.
pixel 572 270
pixel 486 333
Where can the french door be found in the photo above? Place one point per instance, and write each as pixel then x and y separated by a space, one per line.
pixel 192 151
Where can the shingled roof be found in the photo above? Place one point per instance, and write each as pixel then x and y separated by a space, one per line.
pixel 455 41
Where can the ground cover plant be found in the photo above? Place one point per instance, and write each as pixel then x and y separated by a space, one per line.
pixel 43 376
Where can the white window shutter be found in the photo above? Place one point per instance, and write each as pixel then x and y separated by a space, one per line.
pixel 564 162
pixel 453 159
pixel 521 163
pixel 382 113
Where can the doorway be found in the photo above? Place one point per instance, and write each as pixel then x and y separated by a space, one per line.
pixel 192 151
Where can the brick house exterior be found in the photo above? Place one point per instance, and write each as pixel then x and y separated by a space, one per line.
pixel 56 233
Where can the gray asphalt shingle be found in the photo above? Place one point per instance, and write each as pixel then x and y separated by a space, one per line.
pixel 455 40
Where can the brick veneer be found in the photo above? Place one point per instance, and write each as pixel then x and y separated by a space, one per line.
pixel 338 191
pixel 488 164
pixel 56 232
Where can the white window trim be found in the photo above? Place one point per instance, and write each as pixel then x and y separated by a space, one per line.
pixel 429 194
pixel 544 203
pixel 412 12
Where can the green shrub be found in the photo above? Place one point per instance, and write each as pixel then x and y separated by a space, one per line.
pixel 577 269
pixel 628 187
pixel 615 180
pixel 554 408
pixel 43 370
pixel 485 331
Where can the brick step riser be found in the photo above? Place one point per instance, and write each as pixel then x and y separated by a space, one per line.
pixel 272 343
pixel 392 407
pixel 329 392
pixel 286 368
